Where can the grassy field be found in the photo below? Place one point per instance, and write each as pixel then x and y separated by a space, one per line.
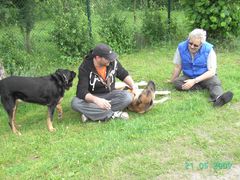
pixel 184 138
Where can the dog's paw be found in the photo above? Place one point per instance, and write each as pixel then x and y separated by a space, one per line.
pixel 17 133
pixel 162 92
pixel 52 129
pixel 162 100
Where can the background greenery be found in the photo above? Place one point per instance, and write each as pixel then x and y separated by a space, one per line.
pixel 183 138
pixel 68 29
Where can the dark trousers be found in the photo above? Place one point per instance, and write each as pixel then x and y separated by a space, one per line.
pixel 212 84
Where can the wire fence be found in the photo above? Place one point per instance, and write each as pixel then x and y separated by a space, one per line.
pixel 68 28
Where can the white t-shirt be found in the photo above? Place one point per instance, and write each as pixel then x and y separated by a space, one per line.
pixel 211 61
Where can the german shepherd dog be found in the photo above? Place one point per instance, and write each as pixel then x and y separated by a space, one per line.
pixel 47 90
pixel 144 99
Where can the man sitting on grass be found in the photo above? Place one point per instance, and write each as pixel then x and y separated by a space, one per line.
pixel 197 60
pixel 96 97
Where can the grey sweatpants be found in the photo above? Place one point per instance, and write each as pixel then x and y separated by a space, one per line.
pixel 212 84
pixel 120 99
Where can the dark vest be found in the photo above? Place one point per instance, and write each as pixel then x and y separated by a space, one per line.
pixel 197 66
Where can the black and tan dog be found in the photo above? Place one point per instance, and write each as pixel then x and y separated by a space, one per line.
pixel 47 90
pixel 144 99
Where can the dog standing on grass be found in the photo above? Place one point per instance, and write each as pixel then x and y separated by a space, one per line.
pixel 47 90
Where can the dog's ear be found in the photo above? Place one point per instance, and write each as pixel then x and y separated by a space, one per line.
pixel 59 72
pixel 58 76
pixel 64 77
pixel 139 101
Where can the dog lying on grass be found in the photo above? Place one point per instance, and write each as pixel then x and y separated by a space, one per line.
pixel 47 90
pixel 144 100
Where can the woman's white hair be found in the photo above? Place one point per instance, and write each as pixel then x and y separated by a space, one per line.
pixel 198 33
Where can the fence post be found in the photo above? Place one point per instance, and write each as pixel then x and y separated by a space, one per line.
pixel 89 17
pixel 169 18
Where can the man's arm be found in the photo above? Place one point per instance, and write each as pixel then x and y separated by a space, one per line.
pixel 178 67
pixel 129 81
pixel 190 82
pixel 105 104
pixel 123 75
pixel 210 73
pixel 212 66
pixel 176 72
pixel 102 103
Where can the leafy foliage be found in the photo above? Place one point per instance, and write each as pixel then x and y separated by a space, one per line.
pixel 116 32
pixel 71 30
pixel 136 4
pixel 8 14
pixel 15 61
pixel 26 14
pixel 20 12
pixel 156 27
pixel 220 18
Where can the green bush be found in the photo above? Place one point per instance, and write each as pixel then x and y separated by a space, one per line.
pixel 8 16
pixel 117 34
pixel 220 18
pixel 15 59
pixel 71 33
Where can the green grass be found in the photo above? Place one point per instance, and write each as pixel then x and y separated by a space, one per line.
pixel 169 142
pixel 155 145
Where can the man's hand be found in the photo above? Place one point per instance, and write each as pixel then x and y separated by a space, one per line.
pixel 134 90
pixel 129 81
pixel 188 84
pixel 103 103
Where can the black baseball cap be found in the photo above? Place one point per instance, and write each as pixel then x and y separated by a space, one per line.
pixel 105 51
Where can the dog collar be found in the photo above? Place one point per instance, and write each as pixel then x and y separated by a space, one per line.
pixel 65 78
